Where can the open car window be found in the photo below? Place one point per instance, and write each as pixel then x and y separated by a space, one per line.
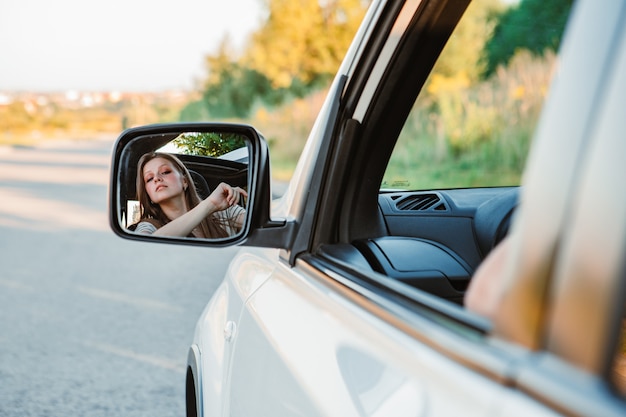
pixel 472 124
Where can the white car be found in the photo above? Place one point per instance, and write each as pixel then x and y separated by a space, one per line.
pixel 347 296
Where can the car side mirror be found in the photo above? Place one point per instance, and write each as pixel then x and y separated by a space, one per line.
pixel 162 169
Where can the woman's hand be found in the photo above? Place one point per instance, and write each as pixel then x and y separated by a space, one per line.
pixel 225 196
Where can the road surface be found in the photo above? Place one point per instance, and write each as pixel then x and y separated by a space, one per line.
pixel 90 324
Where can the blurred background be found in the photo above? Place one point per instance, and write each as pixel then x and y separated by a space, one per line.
pixel 77 70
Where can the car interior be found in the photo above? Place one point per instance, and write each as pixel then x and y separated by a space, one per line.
pixel 434 240
pixel 431 239
pixel 437 239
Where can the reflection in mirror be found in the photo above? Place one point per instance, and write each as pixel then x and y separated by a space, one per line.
pixel 190 184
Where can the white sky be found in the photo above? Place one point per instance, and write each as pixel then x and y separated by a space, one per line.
pixel 109 45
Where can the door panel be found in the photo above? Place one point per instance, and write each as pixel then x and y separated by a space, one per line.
pixel 305 349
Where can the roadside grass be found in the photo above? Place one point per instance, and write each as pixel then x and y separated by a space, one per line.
pixel 39 137
pixel 477 135
pixel 456 136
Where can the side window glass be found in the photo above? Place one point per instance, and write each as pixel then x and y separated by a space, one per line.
pixel 472 124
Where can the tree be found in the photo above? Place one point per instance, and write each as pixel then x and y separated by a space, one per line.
pixel 303 42
pixel 225 92
pixel 298 50
pixel 461 62
pixel 535 25
pixel 194 111
pixel 235 91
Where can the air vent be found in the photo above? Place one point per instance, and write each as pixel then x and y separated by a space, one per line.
pixel 421 202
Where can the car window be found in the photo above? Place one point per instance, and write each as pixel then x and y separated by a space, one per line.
pixel 472 124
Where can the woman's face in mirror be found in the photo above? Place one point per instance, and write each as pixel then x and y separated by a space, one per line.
pixel 162 180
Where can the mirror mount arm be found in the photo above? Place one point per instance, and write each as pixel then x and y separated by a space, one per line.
pixel 264 230
pixel 275 233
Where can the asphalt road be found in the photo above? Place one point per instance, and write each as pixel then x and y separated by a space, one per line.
pixel 90 324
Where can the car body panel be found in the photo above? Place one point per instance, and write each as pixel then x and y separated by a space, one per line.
pixel 213 349
pixel 285 348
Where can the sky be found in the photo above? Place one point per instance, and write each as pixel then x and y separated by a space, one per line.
pixel 115 45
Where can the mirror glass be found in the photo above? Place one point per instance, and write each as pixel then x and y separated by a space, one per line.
pixel 189 184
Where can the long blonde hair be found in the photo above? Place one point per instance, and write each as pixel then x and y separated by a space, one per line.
pixel 210 227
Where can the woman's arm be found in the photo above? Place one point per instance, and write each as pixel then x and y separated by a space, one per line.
pixel 484 289
pixel 221 198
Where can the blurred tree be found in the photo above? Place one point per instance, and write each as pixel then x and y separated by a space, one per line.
pixel 461 63
pixel 304 41
pixel 194 111
pixel 235 92
pixel 298 50
pixel 231 89
pixel 535 25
